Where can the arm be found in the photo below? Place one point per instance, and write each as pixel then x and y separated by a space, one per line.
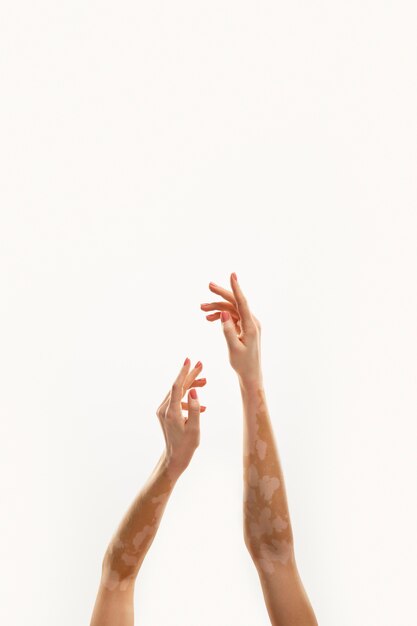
pixel 267 526
pixel 137 530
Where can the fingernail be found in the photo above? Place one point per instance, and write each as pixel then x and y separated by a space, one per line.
pixel 193 394
pixel 198 364
pixel 224 316
pixel 234 276
pixel 187 360
pixel 205 304
pixel 212 284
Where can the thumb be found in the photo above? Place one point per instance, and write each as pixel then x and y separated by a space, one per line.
pixel 229 330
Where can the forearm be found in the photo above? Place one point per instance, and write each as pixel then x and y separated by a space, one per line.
pixel 267 527
pixel 138 528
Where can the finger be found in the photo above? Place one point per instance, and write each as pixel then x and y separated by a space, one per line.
pixel 192 376
pixel 229 330
pixel 193 420
pixel 216 316
pixel 199 382
pixel 164 401
pixel 224 293
pixel 177 387
pixel 212 317
pixel 242 304
pixel 219 306
pixel 185 406
pixel 162 407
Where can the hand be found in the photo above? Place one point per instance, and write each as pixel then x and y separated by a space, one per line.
pixel 182 433
pixel 241 329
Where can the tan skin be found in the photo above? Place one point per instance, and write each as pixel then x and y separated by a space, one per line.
pixel 132 540
pixel 267 527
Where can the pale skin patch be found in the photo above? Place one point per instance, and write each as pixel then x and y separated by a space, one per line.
pixel 112 580
pixel 140 537
pixel 265 509
pixel 267 566
pixel 125 584
pixel 267 486
pixel 253 477
pixel 279 524
pixel 129 559
pixel 261 449
pixel 266 525
pixel 269 558
pixel 284 551
pixel 160 498
pixel 131 542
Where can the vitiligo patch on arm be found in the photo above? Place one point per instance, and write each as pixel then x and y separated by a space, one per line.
pixel 136 533
pixel 267 525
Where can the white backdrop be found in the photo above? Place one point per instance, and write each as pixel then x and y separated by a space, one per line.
pixel 147 148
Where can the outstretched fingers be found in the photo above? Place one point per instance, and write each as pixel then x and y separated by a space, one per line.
pixel 186 379
pixel 178 384
pixel 242 305
pixel 192 376
pixel 224 293
pixel 219 306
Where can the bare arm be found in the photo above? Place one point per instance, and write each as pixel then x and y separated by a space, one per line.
pixel 136 532
pixel 267 526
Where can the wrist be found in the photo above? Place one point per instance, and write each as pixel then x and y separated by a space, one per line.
pixel 174 467
pixel 251 383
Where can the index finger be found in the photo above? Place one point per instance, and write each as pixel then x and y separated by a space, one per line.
pixel 176 389
pixel 241 303
pixel 224 293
